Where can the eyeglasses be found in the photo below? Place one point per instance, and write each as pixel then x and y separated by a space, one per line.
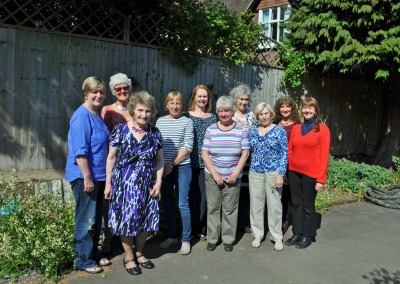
pixel 119 89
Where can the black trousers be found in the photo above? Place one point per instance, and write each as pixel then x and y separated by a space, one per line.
pixel 303 193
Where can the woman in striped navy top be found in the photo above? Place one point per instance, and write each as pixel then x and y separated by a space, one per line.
pixel 177 133
pixel 225 151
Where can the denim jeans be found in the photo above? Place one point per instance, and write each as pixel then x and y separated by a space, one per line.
pixel 180 178
pixel 198 202
pixel 88 213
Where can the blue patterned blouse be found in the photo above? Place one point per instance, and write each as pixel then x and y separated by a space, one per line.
pixel 269 151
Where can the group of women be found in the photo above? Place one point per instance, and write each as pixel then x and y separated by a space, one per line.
pixel 196 159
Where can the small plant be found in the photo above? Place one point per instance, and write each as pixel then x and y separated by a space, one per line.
pixel 354 177
pixel 37 234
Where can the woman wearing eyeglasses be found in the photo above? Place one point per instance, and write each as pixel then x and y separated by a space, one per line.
pixel 117 112
pixel 112 115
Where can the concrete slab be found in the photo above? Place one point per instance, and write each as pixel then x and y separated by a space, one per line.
pixel 357 243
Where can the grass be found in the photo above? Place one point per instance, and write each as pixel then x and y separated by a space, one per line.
pixel 329 197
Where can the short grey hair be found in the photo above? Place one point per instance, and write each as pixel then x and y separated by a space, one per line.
pixel 119 78
pixel 259 108
pixel 225 102
pixel 240 90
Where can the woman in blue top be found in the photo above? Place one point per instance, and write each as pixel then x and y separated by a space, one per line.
pixel 86 171
pixel 199 113
pixel 268 148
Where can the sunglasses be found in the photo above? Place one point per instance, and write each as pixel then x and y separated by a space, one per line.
pixel 119 89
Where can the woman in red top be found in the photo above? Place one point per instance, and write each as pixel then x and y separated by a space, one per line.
pixel 308 165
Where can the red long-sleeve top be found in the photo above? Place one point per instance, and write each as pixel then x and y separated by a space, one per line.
pixel 309 154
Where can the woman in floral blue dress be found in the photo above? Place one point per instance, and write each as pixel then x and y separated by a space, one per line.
pixel 134 173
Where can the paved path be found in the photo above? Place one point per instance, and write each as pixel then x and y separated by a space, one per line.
pixel 357 243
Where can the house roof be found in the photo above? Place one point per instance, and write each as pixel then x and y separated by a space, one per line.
pixel 236 5
pixel 250 5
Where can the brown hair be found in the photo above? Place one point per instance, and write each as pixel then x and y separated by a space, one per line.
pixel 192 97
pixel 312 102
pixel 143 98
pixel 286 100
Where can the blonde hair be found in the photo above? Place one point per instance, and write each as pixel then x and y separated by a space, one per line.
pixel 259 108
pixel 93 84
pixel 170 96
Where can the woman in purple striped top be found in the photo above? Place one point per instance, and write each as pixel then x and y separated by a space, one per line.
pixel 224 152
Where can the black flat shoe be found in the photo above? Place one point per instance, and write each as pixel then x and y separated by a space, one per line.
pixel 293 240
pixel 134 270
pixel 211 247
pixel 305 242
pixel 147 264
pixel 228 247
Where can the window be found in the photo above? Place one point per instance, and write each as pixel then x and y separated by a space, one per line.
pixel 272 20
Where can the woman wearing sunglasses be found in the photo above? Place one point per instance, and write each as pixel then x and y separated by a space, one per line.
pixel 117 112
pixel 113 115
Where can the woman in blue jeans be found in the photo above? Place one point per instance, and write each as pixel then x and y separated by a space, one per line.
pixel 86 171
pixel 177 133
pixel 199 113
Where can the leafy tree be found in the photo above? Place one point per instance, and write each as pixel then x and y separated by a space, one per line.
pixel 359 37
pixel 356 37
pixel 197 28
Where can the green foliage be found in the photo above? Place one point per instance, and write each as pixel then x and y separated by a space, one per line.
pixel 295 67
pixel 359 37
pixel 396 162
pixel 197 28
pixel 36 236
pixel 354 177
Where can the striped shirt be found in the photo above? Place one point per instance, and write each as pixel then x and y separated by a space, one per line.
pixel 225 147
pixel 176 133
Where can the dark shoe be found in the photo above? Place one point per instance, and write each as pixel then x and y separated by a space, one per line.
pixel 285 226
pixel 147 264
pixel 211 247
pixel 228 247
pixel 305 242
pixel 293 240
pixel 134 270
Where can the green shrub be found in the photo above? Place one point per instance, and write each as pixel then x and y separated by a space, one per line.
pixel 396 174
pixel 37 235
pixel 354 177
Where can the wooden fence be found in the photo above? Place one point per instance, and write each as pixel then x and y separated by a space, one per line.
pixel 41 75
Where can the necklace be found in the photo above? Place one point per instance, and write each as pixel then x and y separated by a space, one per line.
pixel 287 122
pixel 121 107
pixel 138 130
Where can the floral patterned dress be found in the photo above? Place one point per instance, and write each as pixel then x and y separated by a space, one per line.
pixel 132 209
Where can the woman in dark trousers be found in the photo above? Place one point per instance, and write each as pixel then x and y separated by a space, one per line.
pixel 308 165
pixel 287 116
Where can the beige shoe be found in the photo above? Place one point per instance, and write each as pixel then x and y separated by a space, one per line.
pixel 256 243
pixel 185 248
pixel 278 246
